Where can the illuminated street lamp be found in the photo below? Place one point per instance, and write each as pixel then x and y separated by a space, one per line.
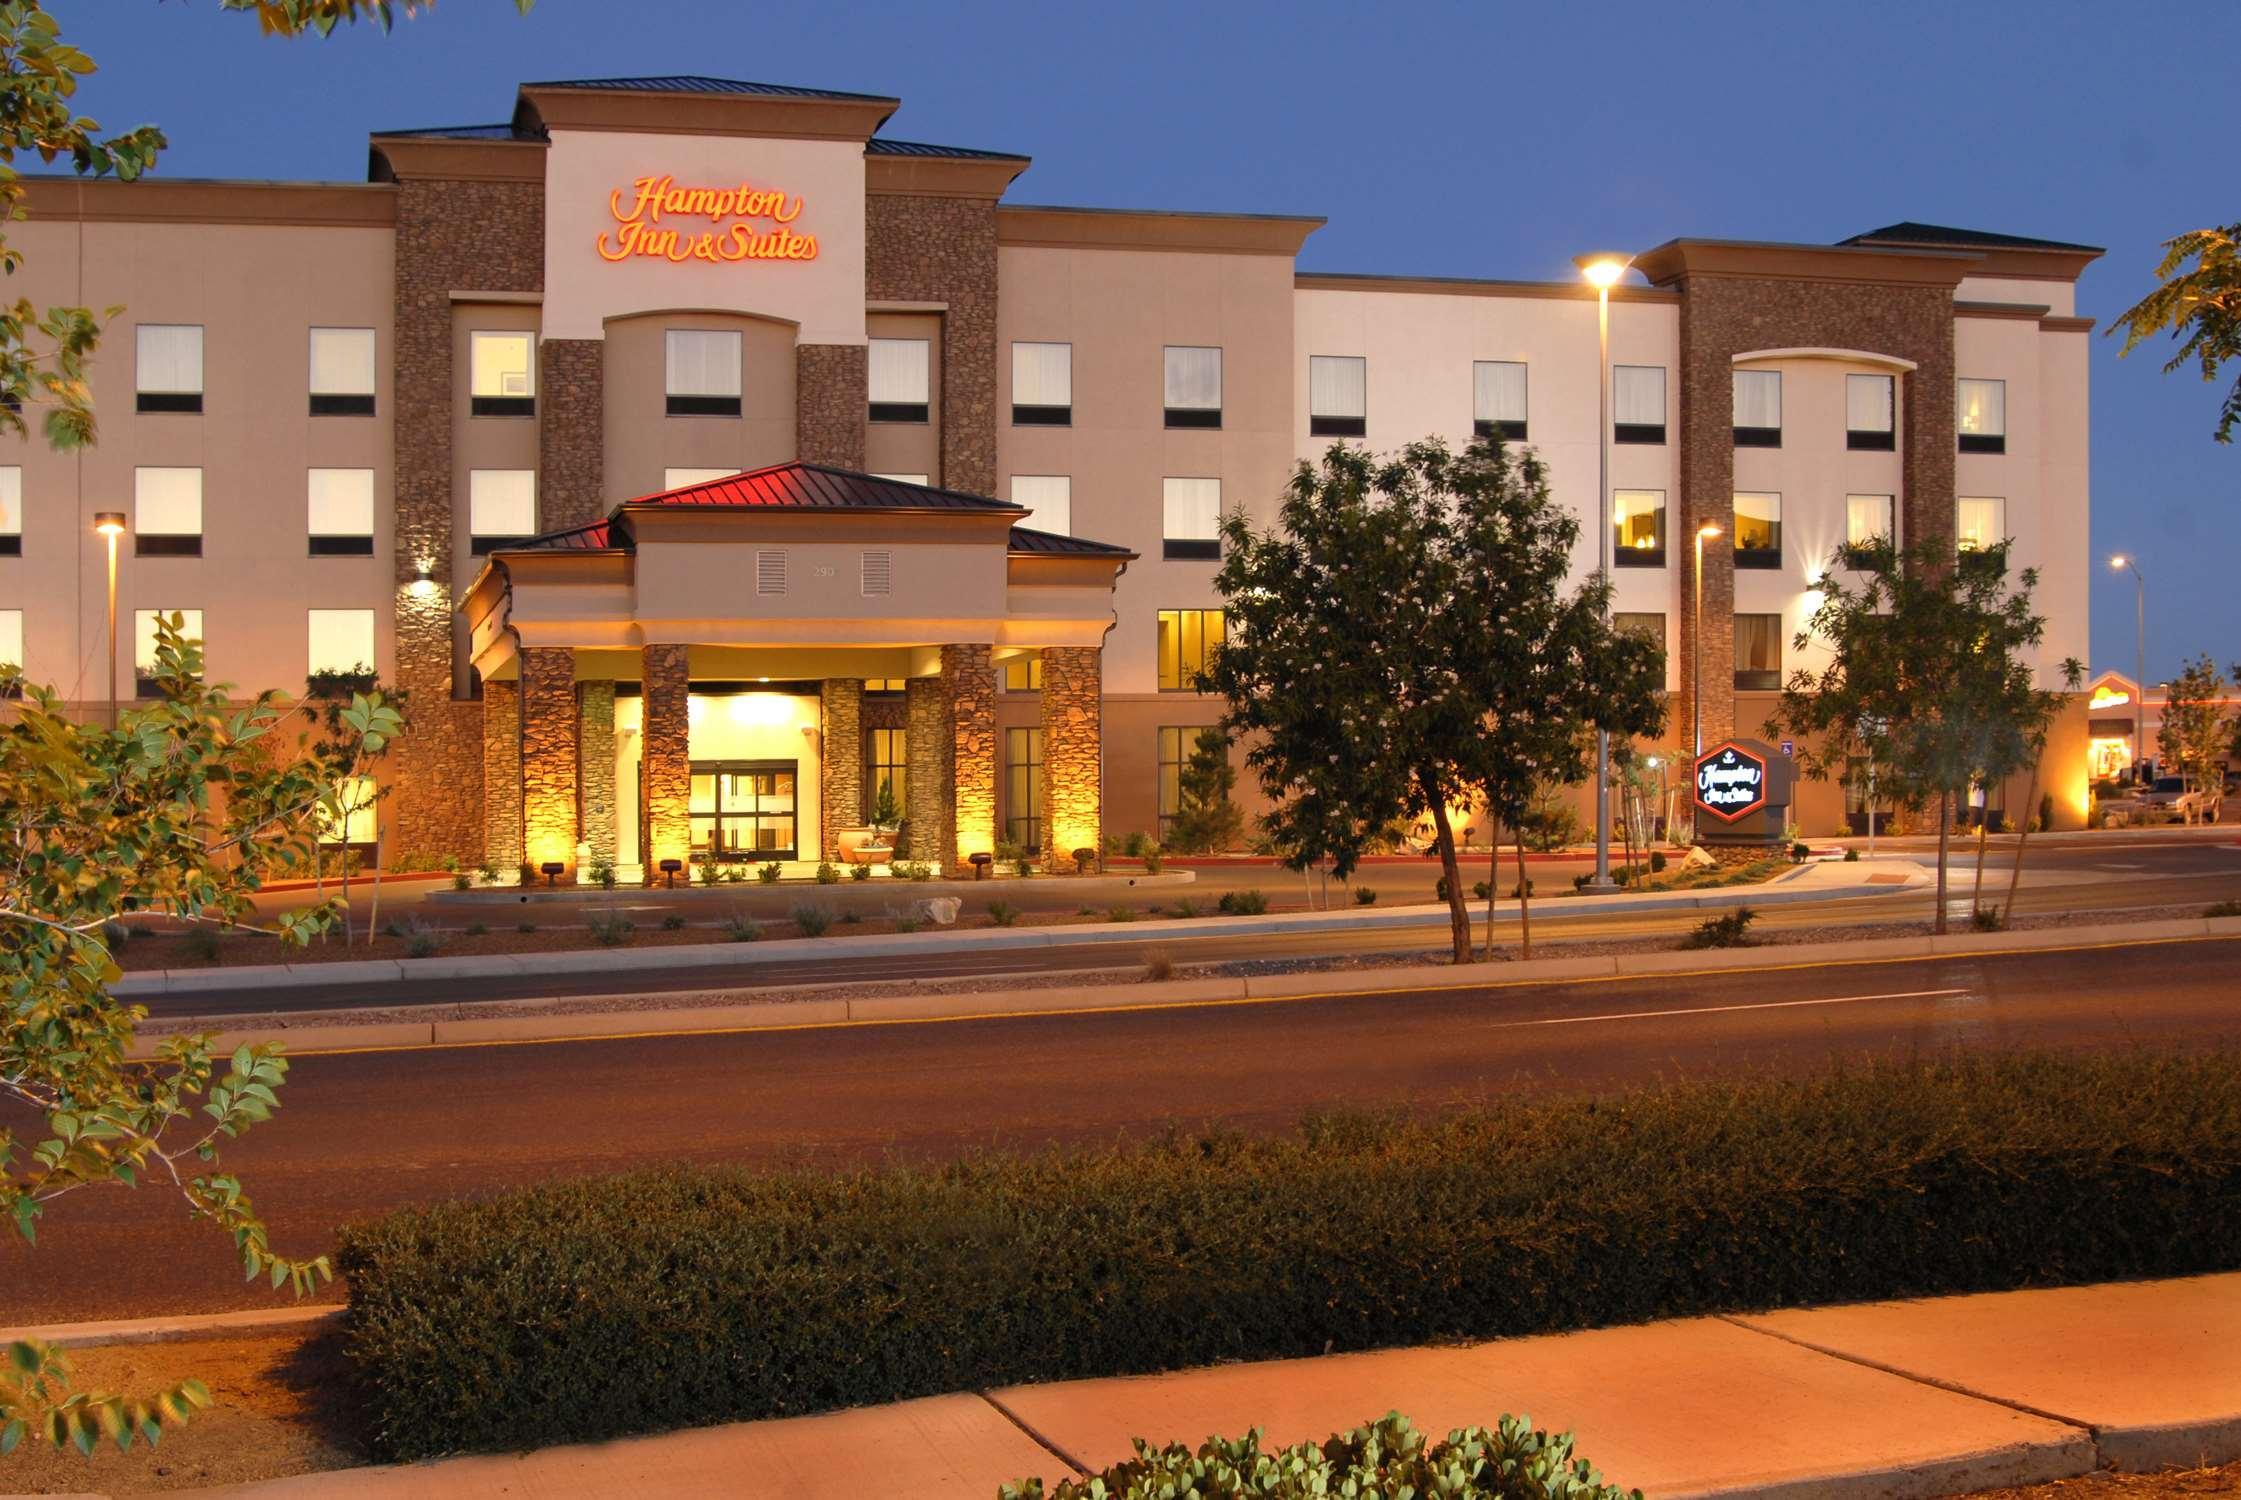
pixel 2140 660
pixel 1603 272
pixel 111 524
pixel 1696 694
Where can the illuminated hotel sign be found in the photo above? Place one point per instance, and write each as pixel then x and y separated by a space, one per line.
pixel 2109 697
pixel 721 225
pixel 1730 782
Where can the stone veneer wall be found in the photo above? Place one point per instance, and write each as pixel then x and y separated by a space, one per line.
pixel 451 236
pixel 840 784
pixel 1725 315
pixel 548 754
pixel 1073 761
pixel 665 768
pixel 926 781
pixel 571 421
pixel 595 769
pixel 832 394
pixel 501 777
pixel 929 249
pixel 969 678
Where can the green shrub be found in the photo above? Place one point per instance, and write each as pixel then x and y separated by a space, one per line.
pixel 1365 895
pixel 1003 913
pixel 1159 965
pixel 1185 909
pixel 1484 891
pixel 674 922
pixel 708 870
pixel 1121 914
pixel 1800 853
pixel 603 873
pixel 812 919
pixel 851 918
pixel 529 875
pixel 1987 919
pixel 741 928
pixel 1383 1460
pixel 1521 890
pixel 422 945
pixel 2223 909
pixel 906 923
pixel 768 874
pixel 1731 930
pixel 525 926
pixel 478 929
pixel 460 882
pixel 1243 903
pixel 734 875
pixel 574 1311
pixel 202 942
pixel 1154 857
pixel 859 872
pixel 1851 856
pixel 609 930
pixel 1657 862
pixel 827 873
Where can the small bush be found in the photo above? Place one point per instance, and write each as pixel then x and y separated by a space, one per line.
pixel 708 871
pixel 603 873
pixel 851 918
pixel 460 882
pixel 1135 844
pixel 1365 895
pixel 1023 867
pixel 859 872
pixel 1159 964
pixel 733 875
pixel 768 874
pixel 812 919
pixel 1851 856
pixel 1521 890
pixel 1579 881
pixel 674 922
pixel 1657 862
pixel 1800 853
pixel 486 875
pixel 1247 903
pixel 1185 909
pixel 1121 914
pixel 525 926
pixel 478 929
pixel 202 942
pixel 1481 890
pixel 827 874
pixel 609 930
pixel 528 873
pixel 2223 909
pixel 1003 913
pixel 422 945
pixel 741 928
pixel 906 923
pixel 1731 930
pixel 394 927
pixel 1154 857
pixel 1987 919
pixel 909 870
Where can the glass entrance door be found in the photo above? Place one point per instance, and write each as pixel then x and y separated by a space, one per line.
pixel 744 809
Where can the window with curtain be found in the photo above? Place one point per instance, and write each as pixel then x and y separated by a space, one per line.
pixel 901 380
pixel 1042 385
pixel 1187 640
pixel 502 374
pixel 342 372
pixel 11 648
pixel 1637 403
pixel 1868 408
pixel 1191 511
pixel 1193 386
pixel 1337 395
pixel 1981 415
pixel 1869 519
pixel 1758 530
pixel 1758 408
pixel 1022 674
pixel 1498 398
pixel 1979 521
pixel 1049 498
pixel 342 640
pixel 703 372
pixel 890 762
pixel 168 370
pixel 501 508
pixel 1023 788
pixel 144 644
pixel 167 512
pixel 11 511
pixel 1638 528
pixel 341 512
pixel 1758 653
pixel 1650 627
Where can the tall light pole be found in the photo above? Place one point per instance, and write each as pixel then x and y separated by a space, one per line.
pixel 2140 659
pixel 1704 533
pixel 111 525
pixel 1602 272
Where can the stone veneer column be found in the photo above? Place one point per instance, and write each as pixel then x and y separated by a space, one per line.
pixel 665 775
pixel 969 681
pixel 840 761
pixel 832 401
pixel 926 248
pixel 548 754
pixel 926 781
pixel 571 419
pixel 1073 766
pixel 501 777
pixel 595 768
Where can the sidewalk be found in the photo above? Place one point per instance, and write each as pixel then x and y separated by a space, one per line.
pixel 1905 1399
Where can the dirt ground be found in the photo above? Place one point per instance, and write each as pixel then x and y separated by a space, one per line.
pixel 2225 1480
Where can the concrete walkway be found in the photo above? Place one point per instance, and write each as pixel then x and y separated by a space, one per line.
pixel 1908 1399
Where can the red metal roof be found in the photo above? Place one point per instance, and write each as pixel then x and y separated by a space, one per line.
pixel 800 486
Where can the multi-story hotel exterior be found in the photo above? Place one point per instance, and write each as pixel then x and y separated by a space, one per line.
pixel 470 424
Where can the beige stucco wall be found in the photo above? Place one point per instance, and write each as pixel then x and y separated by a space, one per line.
pixel 643 440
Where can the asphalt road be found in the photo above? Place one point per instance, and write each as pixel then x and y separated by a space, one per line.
pixel 364 1131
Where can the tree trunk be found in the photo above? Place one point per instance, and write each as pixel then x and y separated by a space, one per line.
pixel 1524 905
pixel 349 935
pixel 2015 876
pixel 1458 916
pixel 373 916
pixel 1983 839
pixel 1493 878
pixel 1945 831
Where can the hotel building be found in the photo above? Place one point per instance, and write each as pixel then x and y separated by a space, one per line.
pixel 700 459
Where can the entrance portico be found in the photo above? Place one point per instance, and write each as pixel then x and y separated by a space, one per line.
pixel 734 668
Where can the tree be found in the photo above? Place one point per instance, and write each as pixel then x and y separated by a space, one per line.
pixel 2200 307
pixel 2196 734
pixel 885 812
pixel 1927 657
pixel 334 744
pixel 1205 817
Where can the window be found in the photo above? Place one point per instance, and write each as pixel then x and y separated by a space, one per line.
pixel 501 508
pixel 742 809
pixel 1638 528
pixel 883 684
pixel 1049 499
pixel 1758 531
pixel 1023 787
pixel 1042 385
pixel 770 570
pixel 11 511
pixel 1637 403
pixel 11 649
pixel 342 641
pixel 1187 639
pixel 170 367
pixel 1869 519
pixel 353 820
pixel 703 373
pixel 890 767
pixel 677 479
pixel 144 644
pixel 1337 395
pixel 341 520
pixel 1867 413
pixel 1979 522
pixel 901 380
pixel 503 374
pixel 167 512
pixel 1022 674
pixel 1758 409
pixel 876 572
pixel 1193 386
pixel 1192 515
pixel 1649 627
pixel 1498 398
pixel 1758 653
pixel 342 372
pixel 1175 741
pixel 1982 416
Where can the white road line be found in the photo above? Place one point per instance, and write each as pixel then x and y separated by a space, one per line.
pixel 1712 1010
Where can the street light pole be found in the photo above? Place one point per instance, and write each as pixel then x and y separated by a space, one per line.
pixel 1603 272
pixel 2140 658
pixel 111 524
pixel 1696 639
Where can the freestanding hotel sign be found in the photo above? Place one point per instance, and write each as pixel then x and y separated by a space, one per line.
pixel 721 225
pixel 1745 787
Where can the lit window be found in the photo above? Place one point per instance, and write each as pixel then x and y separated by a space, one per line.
pixel 342 372
pixel 342 642
pixel 352 820
pixel 167 512
pixel 1638 528
pixel 901 380
pixel 890 752
pixel 883 684
pixel 1979 522
pixel 11 511
pixel 1042 385
pixel 11 642
pixel 1758 531
pixel 1049 499
pixel 1982 416
pixel 1868 520
pixel 703 373
pixel 144 644
pixel 501 508
pixel 1498 398
pixel 1187 641
pixel 169 370
pixel 341 521
pixel 1637 403
pixel 502 375
pixel 1193 386
pixel 1867 412
pixel 1023 788
pixel 1192 512
pixel 1023 673
pixel 1758 409
pixel 1337 395
pixel 677 479
pixel 1758 653
pixel 1650 627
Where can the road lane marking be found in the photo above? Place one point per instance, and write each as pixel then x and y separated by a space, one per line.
pixel 1713 1010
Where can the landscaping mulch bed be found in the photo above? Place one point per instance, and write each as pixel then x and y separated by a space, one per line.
pixel 2223 1480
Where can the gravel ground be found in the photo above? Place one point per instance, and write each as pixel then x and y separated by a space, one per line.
pixel 2225 1480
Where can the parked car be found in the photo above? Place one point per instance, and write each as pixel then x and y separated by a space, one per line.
pixel 2165 791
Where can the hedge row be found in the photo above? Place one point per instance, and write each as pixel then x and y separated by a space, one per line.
pixel 664 1299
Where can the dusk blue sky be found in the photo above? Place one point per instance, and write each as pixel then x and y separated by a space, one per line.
pixel 1447 139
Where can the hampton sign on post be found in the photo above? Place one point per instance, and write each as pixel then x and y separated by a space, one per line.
pixel 1742 793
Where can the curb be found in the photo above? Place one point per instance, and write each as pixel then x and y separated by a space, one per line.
pixel 314 1031
pixel 183 1329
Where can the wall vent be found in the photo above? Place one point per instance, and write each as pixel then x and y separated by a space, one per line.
pixel 770 570
pixel 879 573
